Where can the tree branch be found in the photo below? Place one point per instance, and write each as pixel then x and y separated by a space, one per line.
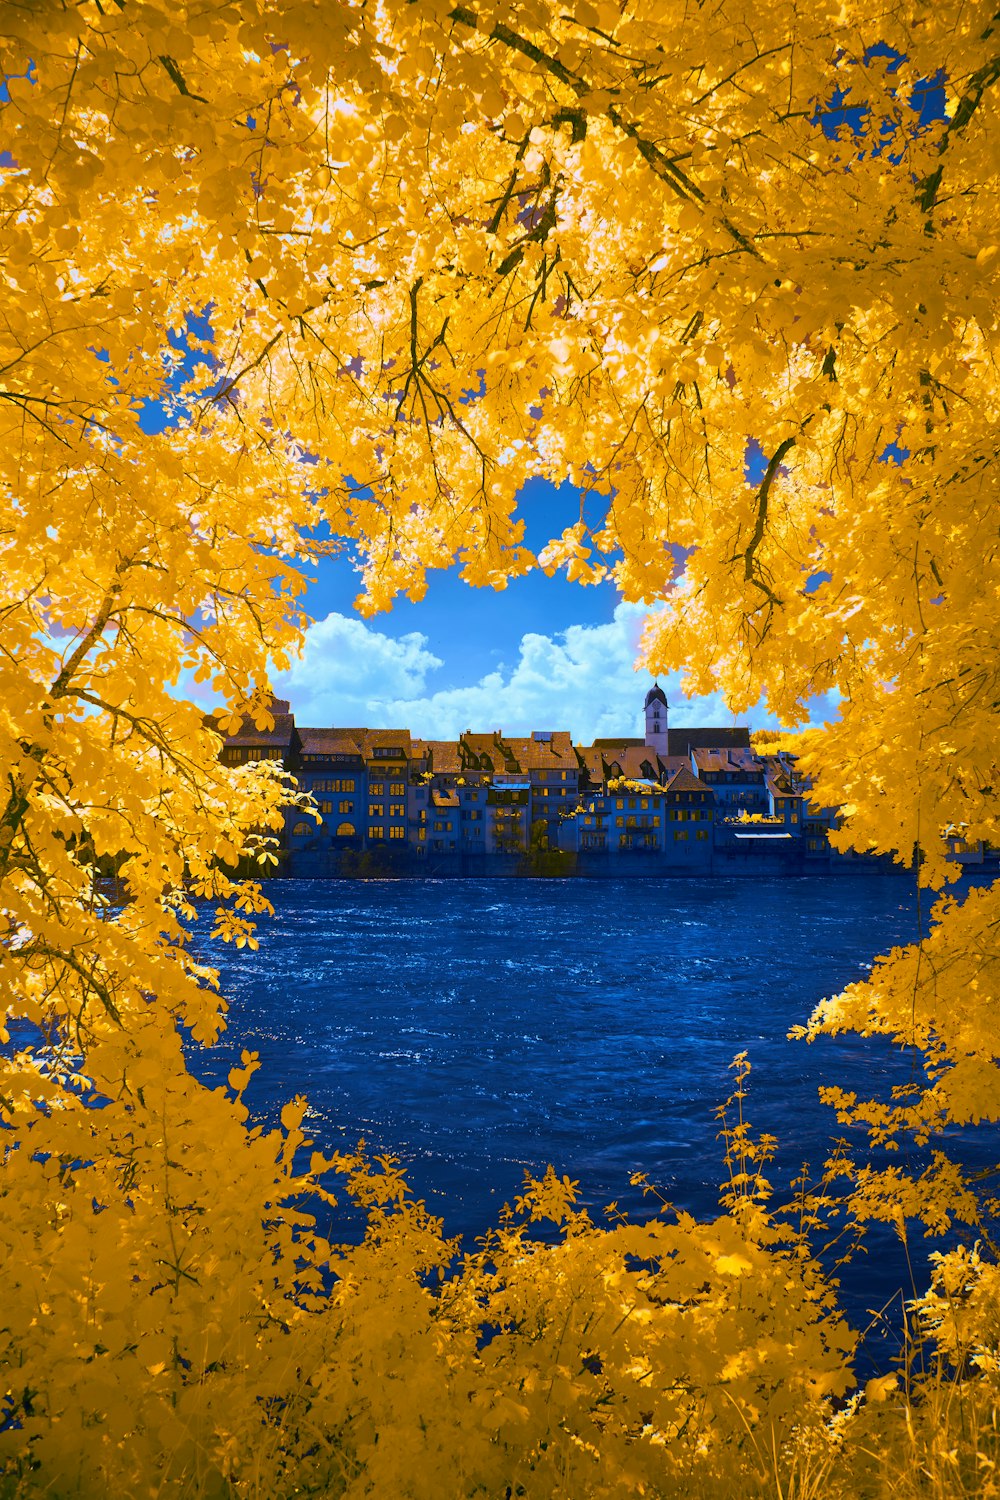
pixel 750 572
pixel 177 79
pixel 20 785
pixel 984 78
pixel 668 171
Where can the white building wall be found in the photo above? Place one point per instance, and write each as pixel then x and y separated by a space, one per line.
pixel 656 726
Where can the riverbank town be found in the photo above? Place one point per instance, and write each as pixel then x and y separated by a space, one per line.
pixel 679 801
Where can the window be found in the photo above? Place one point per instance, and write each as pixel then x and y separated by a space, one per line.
pixel 656 821
pixel 619 822
pixel 375 810
pixel 644 803
pixel 421 834
pixel 619 801
pixel 376 788
pixel 325 784
pixel 325 807
pixel 376 832
pixel 680 834
pixel 303 829
pixel 795 817
pixel 345 830
pixel 397 833
pixel 397 789
pixel 397 809
pixel 702 833
pixel 388 752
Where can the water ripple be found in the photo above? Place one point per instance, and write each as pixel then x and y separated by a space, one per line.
pixel 479 1028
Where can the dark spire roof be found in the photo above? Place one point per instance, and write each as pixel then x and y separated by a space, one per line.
pixel 655 695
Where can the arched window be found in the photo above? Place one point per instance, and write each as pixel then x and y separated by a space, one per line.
pixel 302 829
pixel 345 830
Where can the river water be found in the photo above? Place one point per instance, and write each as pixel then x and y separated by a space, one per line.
pixel 480 1028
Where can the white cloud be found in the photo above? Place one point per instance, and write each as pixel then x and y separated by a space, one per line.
pixel 582 679
pixel 351 674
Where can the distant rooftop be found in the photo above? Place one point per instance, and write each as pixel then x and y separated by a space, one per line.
pixel 689 737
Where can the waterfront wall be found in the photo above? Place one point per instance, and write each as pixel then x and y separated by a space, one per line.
pixel 586 865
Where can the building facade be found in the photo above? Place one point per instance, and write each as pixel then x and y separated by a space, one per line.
pixel 686 800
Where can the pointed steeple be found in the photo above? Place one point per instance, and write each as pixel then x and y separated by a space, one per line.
pixel 656 719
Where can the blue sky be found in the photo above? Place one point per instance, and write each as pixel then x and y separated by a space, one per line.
pixel 541 654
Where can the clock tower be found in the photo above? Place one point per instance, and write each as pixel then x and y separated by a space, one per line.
pixel 656 719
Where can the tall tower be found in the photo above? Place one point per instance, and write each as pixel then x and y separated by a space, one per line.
pixel 656 719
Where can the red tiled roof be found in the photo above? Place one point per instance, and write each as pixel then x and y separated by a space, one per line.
pixel 638 762
pixel 593 760
pixel 331 741
pixel 556 753
pixel 490 751
pixel 686 781
pixel 719 760
pixel 248 734
pixel 442 755
pixel 674 763
pixel 682 740
pixel 384 739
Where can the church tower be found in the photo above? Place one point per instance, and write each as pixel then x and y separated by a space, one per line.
pixel 656 719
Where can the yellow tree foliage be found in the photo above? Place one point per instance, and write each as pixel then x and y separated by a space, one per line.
pixel 433 250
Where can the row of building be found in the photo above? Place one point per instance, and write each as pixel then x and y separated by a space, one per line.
pixel 697 800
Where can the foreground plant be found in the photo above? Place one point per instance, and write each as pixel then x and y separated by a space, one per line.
pixel 379 266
